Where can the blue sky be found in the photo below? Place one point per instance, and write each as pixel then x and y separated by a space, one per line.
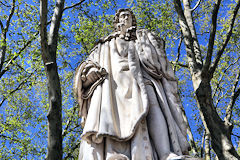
pixel 188 103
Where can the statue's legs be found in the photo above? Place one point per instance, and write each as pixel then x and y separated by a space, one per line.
pixel 157 126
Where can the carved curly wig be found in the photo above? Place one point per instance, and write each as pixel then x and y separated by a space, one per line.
pixel 116 18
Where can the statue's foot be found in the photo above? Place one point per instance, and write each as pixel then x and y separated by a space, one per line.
pixel 173 156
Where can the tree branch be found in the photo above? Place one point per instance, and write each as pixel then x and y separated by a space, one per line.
pixel 17 55
pixel 70 153
pixel 236 136
pixel 1 25
pixel 189 133
pixel 10 16
pixel 16 89
pixel 228 36
pixel 13 139
pixel 43 26
pixel 54 28
pixel 191 10
pixel 202 144
pixel 2 49
pixel 85 46
pixel 69 121
pixel 203 33
pixel 74 5
pixel 180 64
pixel 221 78
pixel 207 146
pixel 187 36
pixel 178 53
pixel 219 97
pixel 4 4
pixel 190 22
pixel 234 96
pixel 3 36
pixel 211 38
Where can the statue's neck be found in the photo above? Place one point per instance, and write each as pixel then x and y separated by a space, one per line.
pixel 129 34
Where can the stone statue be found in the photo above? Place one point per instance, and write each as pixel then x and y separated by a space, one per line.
pixel 127 93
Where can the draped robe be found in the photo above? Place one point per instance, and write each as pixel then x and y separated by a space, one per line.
pixel 114 112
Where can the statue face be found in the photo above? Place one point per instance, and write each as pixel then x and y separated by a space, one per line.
pixel 125 19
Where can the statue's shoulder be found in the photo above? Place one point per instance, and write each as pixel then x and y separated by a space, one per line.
pixel 94 49
pixel 103 40
pixel 151 35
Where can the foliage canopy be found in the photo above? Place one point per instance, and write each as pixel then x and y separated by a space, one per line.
pixel 23 92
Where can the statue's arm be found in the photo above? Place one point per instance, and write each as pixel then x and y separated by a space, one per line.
pixel 87 76
pixel 154 60
pixel 91 73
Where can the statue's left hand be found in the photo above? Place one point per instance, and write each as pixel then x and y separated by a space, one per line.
pixel 92 76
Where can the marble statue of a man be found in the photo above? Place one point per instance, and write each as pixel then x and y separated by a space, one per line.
pixel 128 98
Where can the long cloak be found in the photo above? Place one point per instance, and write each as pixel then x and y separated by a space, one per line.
pixel 118 106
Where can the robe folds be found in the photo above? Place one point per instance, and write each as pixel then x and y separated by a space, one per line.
pixel 114 109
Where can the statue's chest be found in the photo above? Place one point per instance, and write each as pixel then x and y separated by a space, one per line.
pixel 122 47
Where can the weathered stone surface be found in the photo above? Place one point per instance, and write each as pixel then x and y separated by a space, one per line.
pixel 128 99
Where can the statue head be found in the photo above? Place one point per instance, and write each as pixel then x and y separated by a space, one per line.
pixel 123 19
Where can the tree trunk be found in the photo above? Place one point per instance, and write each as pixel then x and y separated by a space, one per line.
pixel 54 114
pixel 220 132
pixel 49 49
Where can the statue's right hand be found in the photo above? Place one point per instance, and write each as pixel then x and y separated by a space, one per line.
pixel 92 76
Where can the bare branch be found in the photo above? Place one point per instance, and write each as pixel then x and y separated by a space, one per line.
pixel 16 89
pixel 186 34
pixel 203 33
pixel 10 16
pixel 228 36
pixel 43 25
pixel 195 6
pixel 1 25
pixel 234 96
pixel 74 5
pixel 211 38
pixel 219 97
pixel 189 133
pixel 222 75
pixel 3 49
pixel 202 144
pixel 236 136
pixel 207 146
pixel 21 68
pixel 72 150
pixel 17 55
pixel 178 53
pixel 4 4
pixel 55 24
pixel 3 35
pixel 85 47
pixel 190 22
pixel 69 121
pixel 179 64
pixel 12 139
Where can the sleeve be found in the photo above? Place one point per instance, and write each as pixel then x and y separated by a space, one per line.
pixel 151 51
pixel 82 94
